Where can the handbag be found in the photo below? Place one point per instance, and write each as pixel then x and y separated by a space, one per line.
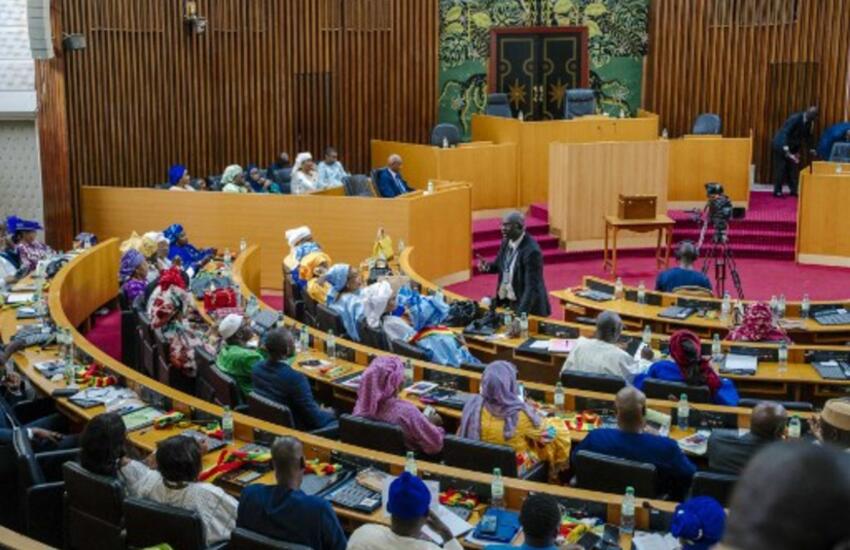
pixel 219 298
pixel 461 313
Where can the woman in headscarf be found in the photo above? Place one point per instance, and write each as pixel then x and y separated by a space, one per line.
pixel 377 399
pixel 310 270
pixel 498 415
pixel 233 180
pixel 179 247
pixel 258 183
pixel 689 366
pixel 301 243
pixel 758 325
pixel 133 274
pixel 29 249
pixel 178 177
pixel 154 247
pixel 345 297
pixel 171 310
pixel 304 175
pixel 10 263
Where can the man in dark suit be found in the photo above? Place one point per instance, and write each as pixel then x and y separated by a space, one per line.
pixel 388 180
pixel 796 131
pixel 729 452
pixel 520 268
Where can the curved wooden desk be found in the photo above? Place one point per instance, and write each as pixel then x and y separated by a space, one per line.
pixel 87 271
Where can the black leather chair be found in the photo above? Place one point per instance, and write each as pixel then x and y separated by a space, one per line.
pixel 40 488
pixel 94 513
pixel 715 485
pixel 269 410
pixel 707 124
pixel 372 434
pixel 604 383
pixel 579 102
pixel 803 406
pixel 310 307
pixel 358 185
pixel 243 539
pixel 129 335
pixel 213 385
pixel 169 376
pixel 663 389
pixel 447 131
pixel 282 175
pixel 480 456
pixel 329 320
pixel 840 152
pixel 497 105
pixel 293 305
pixel 374 338
pixel 400 347
pixel 598 472
pixel 147 350
pixel 479 368
pixel 150 523
pixel 214 182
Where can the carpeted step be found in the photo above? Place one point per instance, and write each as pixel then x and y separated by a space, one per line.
pixel 751 236
pixel 539 211
pixel 490 247
pixel 491 228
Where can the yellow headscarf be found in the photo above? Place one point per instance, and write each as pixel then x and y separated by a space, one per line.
pixel 135 242
pixel 310 262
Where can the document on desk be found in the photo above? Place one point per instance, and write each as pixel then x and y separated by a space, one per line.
pixel 452 521
pixel 654 541
pixel 744 364
pixel 561 345
pixel 19 298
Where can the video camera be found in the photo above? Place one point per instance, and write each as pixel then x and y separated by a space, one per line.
pixel 719 209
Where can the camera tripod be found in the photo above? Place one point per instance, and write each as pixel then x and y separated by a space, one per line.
pixel 720 254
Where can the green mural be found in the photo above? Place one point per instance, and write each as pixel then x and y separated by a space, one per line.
pixel 617 31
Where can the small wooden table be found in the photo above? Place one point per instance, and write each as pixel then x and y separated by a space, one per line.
pixel 662 223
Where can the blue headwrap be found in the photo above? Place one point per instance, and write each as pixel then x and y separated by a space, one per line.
pixel 129 262
pixel 14 223
pixel 176 173
pixel 699 523
pixel 303 249
pixel 424 311
pixel 337 276
pixel 409 497
pixel 172 232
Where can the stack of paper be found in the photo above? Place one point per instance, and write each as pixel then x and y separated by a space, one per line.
pixel 745 364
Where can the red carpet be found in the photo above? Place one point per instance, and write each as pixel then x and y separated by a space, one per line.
pixel 105 333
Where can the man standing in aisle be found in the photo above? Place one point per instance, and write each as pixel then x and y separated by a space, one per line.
pixel 797 130
pixel 520 267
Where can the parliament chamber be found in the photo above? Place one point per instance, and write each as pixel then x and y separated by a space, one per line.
pixel 376 274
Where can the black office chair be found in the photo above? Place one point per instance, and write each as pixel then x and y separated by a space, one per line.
pixel 707 124
pixel 480 456
pixel 598 472
pixel 372 434
pixel 310 307
pixel 579 102
pixel 147 350
pixel 447 131
pixel 840 152
pixel 715 485
pixel 165 373
pixel 358 186
pixel 400 347
pixel 243 539
pixel 372 337
pixel 269 410
pixel 473 367
pixel 802 406
pixel 604 383
pixel 94 513
pixel 664 389
pixel 150 523
pixel 214 182
pixel 282 175
pixel 329 320
pixel 40 489
pixel 497 105
pixel 129 335
pixel 293 305
pixel 213 385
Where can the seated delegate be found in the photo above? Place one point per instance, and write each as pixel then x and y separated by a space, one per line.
pixel 189 256
pixel 179 178
pixel 388 180
pixel 236 358
pixel 758 325
pixel 833 424
pixel 729 451
pixel 331 171
pixel 133 274
pixel 629 441
pixel 233 180
pixel 540 518
pixel 259 183
pixel 602 354
pixel 301 243
pixel 28 249
pixel 304 176
pixel 683 275
pixel 103 452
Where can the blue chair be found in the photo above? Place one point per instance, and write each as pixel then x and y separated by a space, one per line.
pixel 707 124
pixel 497 105
pixel 580 102
pixel 840 152
pixel 446 131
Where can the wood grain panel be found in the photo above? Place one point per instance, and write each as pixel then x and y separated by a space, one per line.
pixel 697 160
pixel 752 62
pixel 822 221
pixel 266 76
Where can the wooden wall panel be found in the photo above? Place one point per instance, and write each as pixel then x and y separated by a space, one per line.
pixel 266 76
pixel 750 61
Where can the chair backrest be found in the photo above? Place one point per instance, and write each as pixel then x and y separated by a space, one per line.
pixel 269 410
pixel 282 175
pixel 243 539
pixel 293 305
pixel 29 471
pixel 447 131
pixel 372 434
pixel 840 152
pixel 150 523
pixel 664 389
pixel 93 509
pixel 309 308
pixel 690 290
pixel 478 456
pixel 214 182
pixel 474 367
pixel 609 474
pixel 715 485
pixel 358 185
pixel 803 406
pixel 329 320
pixel 497 105
pixel 374 338
pixel 579 102
pixel 605 383
pixel 213 385
pixel 400 347
pixel 707 124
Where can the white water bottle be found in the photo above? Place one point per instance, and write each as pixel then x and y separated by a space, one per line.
pixel 641 293
pixel 523 324
pixel 227 424
pixel 304 338
pixel 726 306
pixel 497 489
pixel 520 390
pixel 716 350
pixel 794 427
pixel 774 305
pixel 410 464
pixel 227 258
pixel 665 134
pixel 627 511
pixel 781 306
pixel 647 335
pixel 521 116
pixel 408 371
pixel 445 142
pixel 783 356
pixel 330 345
pixel 683 410
pixel 618 288
pixel 805 306
pixel 243 244
pixel 559 396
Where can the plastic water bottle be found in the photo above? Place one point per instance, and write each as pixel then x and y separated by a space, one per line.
pixel 559 396
pixel 838 169
pixel 622 113
pixel 439 294
pixel 497 490
pixel 400 246
pixel 330 345
pixel 647 335
pixel 508 320
pixel 716 350
pixel 408 370
pixel 780 312
pixel 520 390
pixel 227 424
pixel 243 244
pixel 783 356
pixel 618 288
pixel 794 427
pixel 521 116
pixel 665 134
pixel 627 511
pixel 805 306
pixel 523 324
pixel 228 258
pixel 774 305
pixel 641 293
pixel 410 464
pixel 252 307
pixel 304 338
pixel 726 306
pixel 683 410
pixel 238 291
pixel 429 190
pixel 445 142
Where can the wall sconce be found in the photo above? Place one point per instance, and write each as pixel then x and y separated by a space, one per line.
pixel 191 19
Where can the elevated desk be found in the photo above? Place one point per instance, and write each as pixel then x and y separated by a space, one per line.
pixel 829 168
pixel 823 223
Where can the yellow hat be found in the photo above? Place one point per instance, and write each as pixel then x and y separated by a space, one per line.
pixel 310 262
pixel 135 241
pixel 836 413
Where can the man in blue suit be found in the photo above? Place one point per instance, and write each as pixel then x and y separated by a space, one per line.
pixel 388 180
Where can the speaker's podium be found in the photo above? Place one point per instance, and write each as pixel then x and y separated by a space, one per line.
pixel 585 184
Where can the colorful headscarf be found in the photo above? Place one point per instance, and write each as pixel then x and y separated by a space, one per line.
pixel 307 267
pixel 680 356
pixel 698 523
pixel 500 396
pixel 375 299
pixel 14 224
pixel 130 260
pixel 758 326
pixel 166 304
pixel 424 311
pixel 379 385
pixel 408 497
pixel 297 234
pixel 149 242
pixel 300 160
pixel 172 232
pixel 172 277
pixel 302 250
pixel 134 242
pixel 337 276
pixel 176 173
pixel 230 173
pixel 254 185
